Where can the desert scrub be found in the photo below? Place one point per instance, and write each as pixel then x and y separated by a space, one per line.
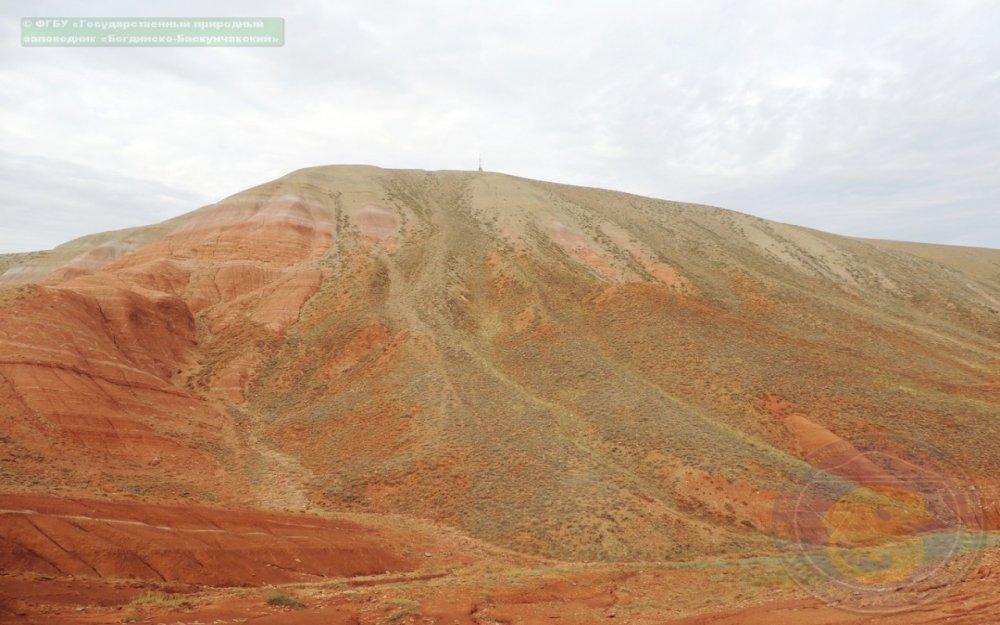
pixel 402 608
pixel 162 600
pixel 646 604
pixel 280 599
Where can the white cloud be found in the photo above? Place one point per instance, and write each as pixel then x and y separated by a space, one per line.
pixel 872 119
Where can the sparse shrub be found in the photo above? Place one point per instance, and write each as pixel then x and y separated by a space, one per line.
pixel 161 600
pixel 645 604
pixel 280 599
pixel 403 608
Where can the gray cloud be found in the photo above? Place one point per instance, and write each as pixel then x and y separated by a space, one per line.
pixel 47 201
pixel 870 119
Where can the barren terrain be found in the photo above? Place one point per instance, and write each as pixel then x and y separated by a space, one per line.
pixel 437 397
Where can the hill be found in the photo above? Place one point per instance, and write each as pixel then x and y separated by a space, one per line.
pixel 570 372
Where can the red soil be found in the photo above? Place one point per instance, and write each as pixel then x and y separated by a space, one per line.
pixel 186 545
pixel 497 594
pixel 571 372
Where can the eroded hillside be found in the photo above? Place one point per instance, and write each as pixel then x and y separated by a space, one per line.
pixel 574 372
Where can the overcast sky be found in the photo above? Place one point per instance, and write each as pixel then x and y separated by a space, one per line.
pixel 877 119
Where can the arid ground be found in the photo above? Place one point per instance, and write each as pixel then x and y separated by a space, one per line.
pixel 358 395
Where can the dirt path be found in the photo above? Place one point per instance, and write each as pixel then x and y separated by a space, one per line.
pixel 284 483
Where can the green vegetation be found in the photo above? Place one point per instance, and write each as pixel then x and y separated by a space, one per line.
pixel 161 600
pixel 646 604
pixel 403 608
pixel 280 599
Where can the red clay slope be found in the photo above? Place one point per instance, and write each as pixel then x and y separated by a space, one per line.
pixel 189 545
pixel 579 373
